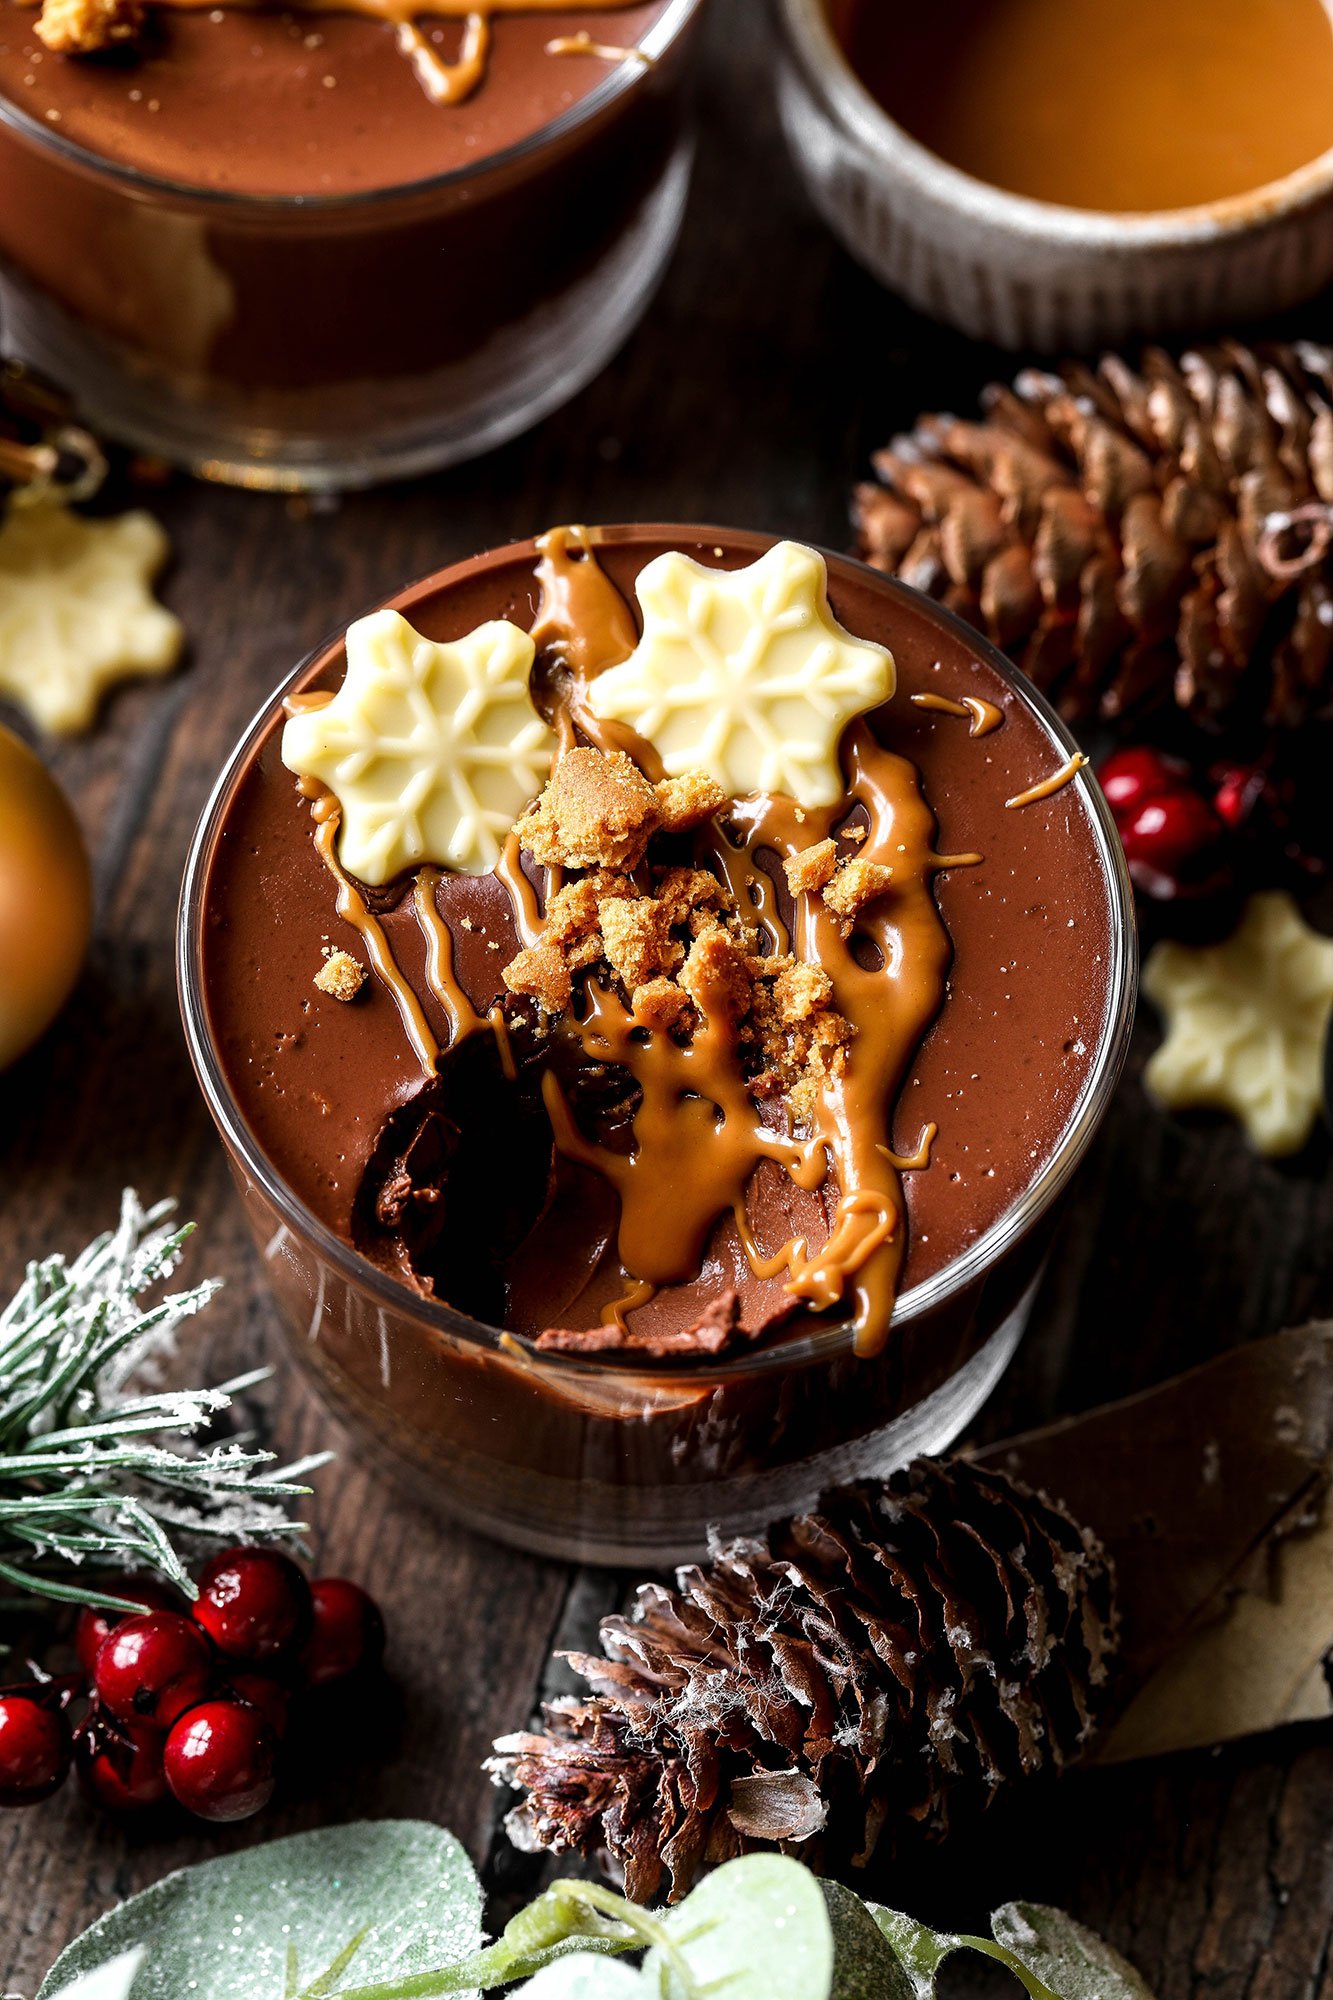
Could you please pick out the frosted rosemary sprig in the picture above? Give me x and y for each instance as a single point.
(85, 1480)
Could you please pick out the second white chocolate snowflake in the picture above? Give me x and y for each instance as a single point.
(431, 750)
(1245, 1023)
(745, 674)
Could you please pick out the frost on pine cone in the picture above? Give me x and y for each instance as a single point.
(913, 1641)
(1133, 537)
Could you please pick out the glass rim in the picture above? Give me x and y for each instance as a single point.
(824, 1342)
(825, 67)
(624, 77)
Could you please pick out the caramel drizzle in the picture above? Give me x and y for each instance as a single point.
(698, 1136)
(1046, 787)
(464, 1019)
(582, 44)
(444, 82)
(984, 715)
(353, 909)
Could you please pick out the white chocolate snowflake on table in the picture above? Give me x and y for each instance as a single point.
(77, 612)
(431, 750)
(745, 674)
(1245, 1023)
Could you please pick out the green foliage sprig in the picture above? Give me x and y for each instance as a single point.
(391, 1910)
(85, 1479)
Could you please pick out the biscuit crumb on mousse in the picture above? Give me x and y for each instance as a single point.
(341, 976)
(856, 883)
(669, 936)
(85, 27)
(811, 868)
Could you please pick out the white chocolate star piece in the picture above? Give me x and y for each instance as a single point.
(432, 751)
(745, 674)
(1245, 1023)
(77, 612)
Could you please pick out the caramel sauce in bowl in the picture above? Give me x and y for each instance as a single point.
(1071, 175)
(613, 1457)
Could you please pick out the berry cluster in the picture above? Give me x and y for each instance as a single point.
(1191, 838)
(192, 1708)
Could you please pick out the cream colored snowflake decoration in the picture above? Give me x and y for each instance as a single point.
(1245, 1023)
(431, 750)
(745, 674)
(77, 612)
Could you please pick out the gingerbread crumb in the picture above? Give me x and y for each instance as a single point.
(597, 811)
(716, 975)
(660, 1004)
(341, 976)
(856, 883)
(671, 938)
(636, 936)
(686, 802)
(86, 27)
(811, 868)
(542, 972)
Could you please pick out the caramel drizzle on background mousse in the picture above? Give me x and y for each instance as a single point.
(698, 1133)
(1045, 788)
(984, 715)
(449, 82)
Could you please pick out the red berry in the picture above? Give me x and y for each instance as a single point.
(1239, 792)
(120, 1763)
(1172, 841)
(270, 1697)
(220, 1760)
(1131, 777)
(93, 1624)
(254, 1604)
(152, 1668)
(347, 1634)
(34, 1749)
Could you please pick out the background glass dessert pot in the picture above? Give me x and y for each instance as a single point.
(623, 1460)
(307, 340)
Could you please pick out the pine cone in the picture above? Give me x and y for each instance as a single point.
(1128, 536)
(912, 1641)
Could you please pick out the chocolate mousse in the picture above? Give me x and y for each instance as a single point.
(653, 944)
(322, 244)
(308, 100)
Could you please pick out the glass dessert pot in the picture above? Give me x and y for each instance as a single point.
(287, 286)
(625, 1456)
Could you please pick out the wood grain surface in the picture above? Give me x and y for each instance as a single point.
(766, 370)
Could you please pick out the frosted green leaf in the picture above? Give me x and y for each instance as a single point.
(586, 1977)
(225, 1929)
(920, 1951)
(865, 1966)
(112, 1981)
(1062, 1957)
(755, 1929)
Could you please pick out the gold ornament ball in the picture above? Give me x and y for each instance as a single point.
(45, 898)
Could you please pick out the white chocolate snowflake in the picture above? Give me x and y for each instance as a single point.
(431, 750)
(1245, 1023)
(745, 674)
(77, 612)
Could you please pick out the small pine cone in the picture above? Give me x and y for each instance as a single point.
(1128, 536)
(913, 1641)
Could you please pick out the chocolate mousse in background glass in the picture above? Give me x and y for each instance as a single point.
(618, 1458)
(254, 244)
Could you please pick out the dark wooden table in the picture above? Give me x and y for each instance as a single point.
(767, 369)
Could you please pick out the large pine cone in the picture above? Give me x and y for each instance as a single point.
(1126, 535)
(941, 1632)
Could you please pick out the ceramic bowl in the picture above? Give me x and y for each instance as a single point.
(1033, 274)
